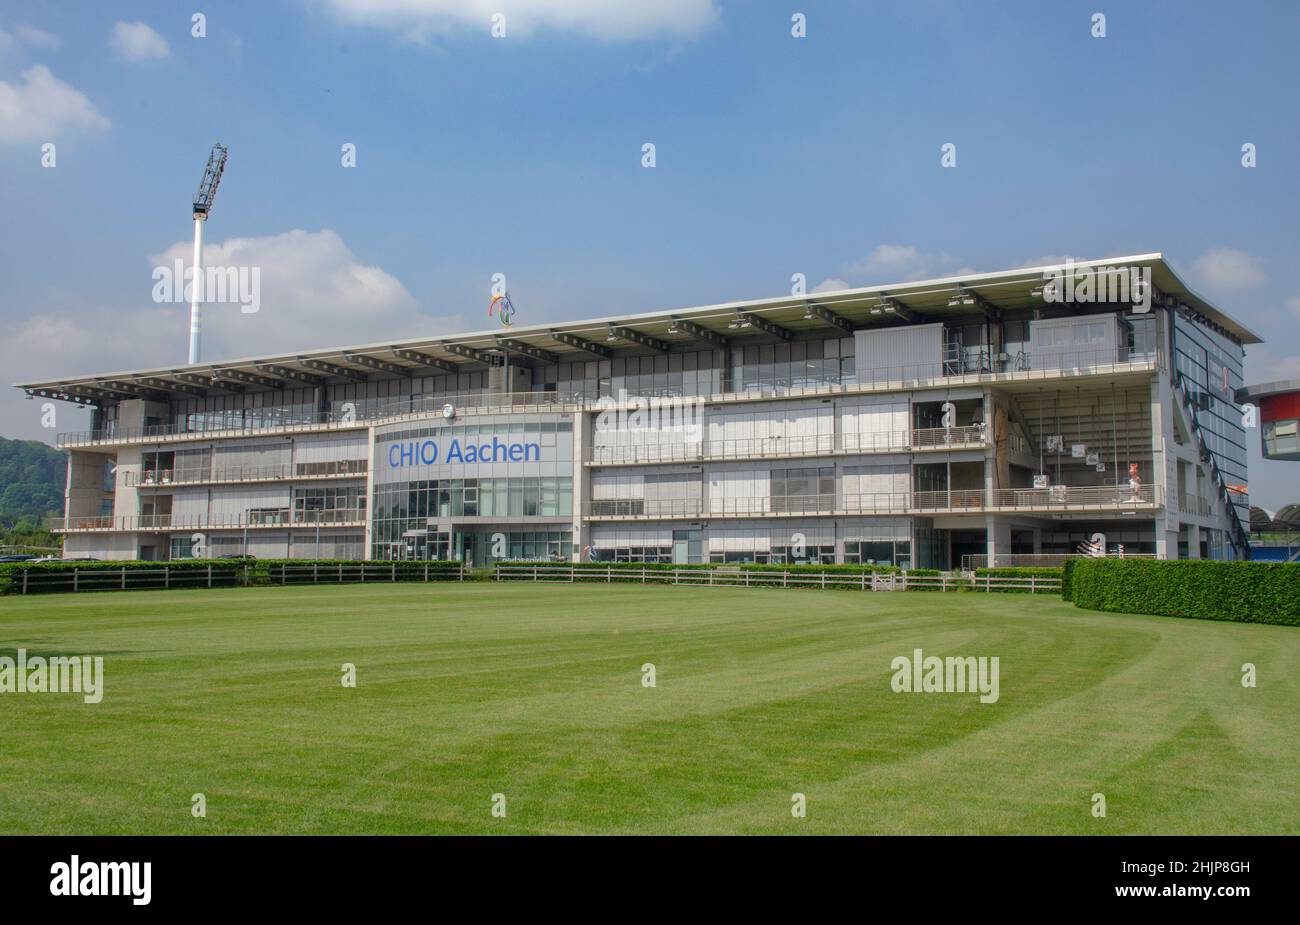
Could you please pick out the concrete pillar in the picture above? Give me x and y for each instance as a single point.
(997, 538)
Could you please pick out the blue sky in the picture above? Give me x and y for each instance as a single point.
(522, 155)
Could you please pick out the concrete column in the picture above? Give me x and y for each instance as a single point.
(997, 538)
(582, 424)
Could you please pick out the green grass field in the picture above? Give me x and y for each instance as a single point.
(534, 691)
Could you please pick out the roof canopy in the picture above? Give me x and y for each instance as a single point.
(789, 318)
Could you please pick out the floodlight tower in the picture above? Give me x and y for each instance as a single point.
(207, 192)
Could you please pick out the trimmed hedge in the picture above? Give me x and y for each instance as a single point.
(1067, 580)
(1021, 571)
(1243, 592)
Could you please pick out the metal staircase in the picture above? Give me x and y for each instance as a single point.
(1207, 456)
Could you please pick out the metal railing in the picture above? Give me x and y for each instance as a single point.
(974, 499)
(770, 578)
(970, 436)
(1058, 364)
(970, 562)
(338, 517)
(1059, 497)
(155, 478)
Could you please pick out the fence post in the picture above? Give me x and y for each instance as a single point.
(124, 578)
(209, 575)
(609, 576)
(534, 573)
(394, 571)
(363, 573)
(340, 573)
(642, 573)
(315, 573)
(823, 581)
(284, 573)
(864, 581)
(426, 571)
(24, 581)
(167, 576)
(76, 585)
(785, 579)
(1031, 584)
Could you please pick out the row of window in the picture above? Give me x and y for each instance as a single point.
(519, 497)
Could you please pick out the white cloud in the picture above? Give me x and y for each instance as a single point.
(1225, 268)
(831, 284)
(1293, 305)
(135, 41)
(901, 263)
(37, 38)
(601, 19)
(314, 293)
(40, 107)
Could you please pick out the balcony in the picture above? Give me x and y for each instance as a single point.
(163, 478)
(161, 523)
(1005, 369)
(258, 421)
(1110, 498)
(902, 441)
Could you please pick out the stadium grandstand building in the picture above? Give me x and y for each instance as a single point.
(999, 418)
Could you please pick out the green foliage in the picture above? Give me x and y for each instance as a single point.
(1244, 592)
(32, 478)
(1067, 580)
(1024, 571)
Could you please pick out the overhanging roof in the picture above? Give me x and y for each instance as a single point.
(728, 322)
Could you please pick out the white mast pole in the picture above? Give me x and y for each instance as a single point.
(196, 287)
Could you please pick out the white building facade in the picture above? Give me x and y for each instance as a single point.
(941, 424)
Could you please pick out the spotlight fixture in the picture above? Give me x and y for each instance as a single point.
(610, 336)
(962, 297)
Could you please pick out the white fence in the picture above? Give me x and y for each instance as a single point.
(216, 575)
(768, 578)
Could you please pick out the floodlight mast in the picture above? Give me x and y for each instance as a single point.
(203, 198)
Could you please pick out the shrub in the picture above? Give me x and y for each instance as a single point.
(1246, 592)
(1067, 579)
